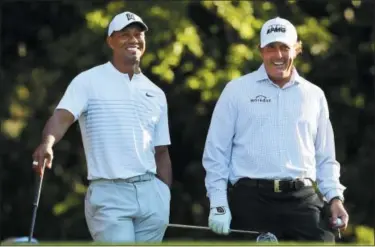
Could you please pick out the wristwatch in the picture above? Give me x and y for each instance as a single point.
(338, 198)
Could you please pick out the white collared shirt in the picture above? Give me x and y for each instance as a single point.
(259, 130)
(121, 121)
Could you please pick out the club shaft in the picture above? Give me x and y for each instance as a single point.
(36, 204)
(207, 228)
(32, 223)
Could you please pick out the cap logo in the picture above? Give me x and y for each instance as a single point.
(130, 17)
(276, 29)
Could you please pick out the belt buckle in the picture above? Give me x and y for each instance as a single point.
(299, 184)
(276, 186)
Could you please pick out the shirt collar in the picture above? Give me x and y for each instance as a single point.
(263, 77)
(116, 71)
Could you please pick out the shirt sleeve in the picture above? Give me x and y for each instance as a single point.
(75, 98)
(328, 169)
(218, 147)
(162, 136)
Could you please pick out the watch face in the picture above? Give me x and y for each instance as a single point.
(220, 210)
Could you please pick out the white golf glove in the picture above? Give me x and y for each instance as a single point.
(219, 220)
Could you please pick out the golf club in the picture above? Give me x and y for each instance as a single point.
(207, 228)
(267, 237)
(36, 203)
(263, 237)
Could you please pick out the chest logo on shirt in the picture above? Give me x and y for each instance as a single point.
(149, 95)
(260, 99)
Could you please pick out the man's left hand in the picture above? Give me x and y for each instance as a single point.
(219, 220)
(338, 211)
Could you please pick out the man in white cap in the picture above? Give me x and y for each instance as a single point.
(123, 118)
(271, 138)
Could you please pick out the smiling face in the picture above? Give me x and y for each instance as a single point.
(128, 44)
(278, 61)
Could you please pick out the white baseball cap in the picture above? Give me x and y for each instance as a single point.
(278, 30)
(124, 19)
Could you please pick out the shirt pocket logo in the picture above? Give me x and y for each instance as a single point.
(260, 99)
(149, 108)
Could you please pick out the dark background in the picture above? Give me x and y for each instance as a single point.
(193, 49)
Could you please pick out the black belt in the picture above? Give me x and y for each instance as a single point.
(275, 185)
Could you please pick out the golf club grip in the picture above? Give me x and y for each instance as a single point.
(207, 228)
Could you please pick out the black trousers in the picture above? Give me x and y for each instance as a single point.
(291, 216)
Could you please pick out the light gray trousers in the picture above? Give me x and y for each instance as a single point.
(126, 211)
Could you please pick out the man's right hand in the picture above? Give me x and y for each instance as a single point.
(54, 130)
(219, 220)
(42, 157)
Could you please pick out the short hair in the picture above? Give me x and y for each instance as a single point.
(298, 47)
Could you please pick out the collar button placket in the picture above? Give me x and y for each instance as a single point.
(280, 125)
(130, 87)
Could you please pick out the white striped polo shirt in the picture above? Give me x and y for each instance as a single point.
(121, 121)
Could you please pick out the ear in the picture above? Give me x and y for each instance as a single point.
(293, 52)
(110, 42)
(297, 49)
